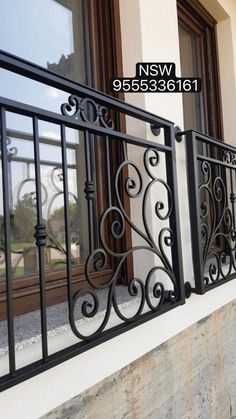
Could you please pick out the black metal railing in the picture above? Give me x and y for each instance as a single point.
(131, 217)
(211, 168)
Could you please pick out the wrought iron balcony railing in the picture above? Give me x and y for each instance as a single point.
(211, 168)
(123, 246)
(89, 223)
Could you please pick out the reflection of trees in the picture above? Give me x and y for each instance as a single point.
(23, 221)
(24, 217)
(1, 236)
(57, 223)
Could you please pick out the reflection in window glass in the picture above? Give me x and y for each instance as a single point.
(50, 34)
(22, 200)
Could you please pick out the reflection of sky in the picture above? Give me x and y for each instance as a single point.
(28, 91)
(37, 30)
(42, 35)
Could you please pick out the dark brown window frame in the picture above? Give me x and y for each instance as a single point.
(193, 15)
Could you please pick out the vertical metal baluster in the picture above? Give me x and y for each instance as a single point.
(174, 216)
(89, 190)
(194, 207)
(6, 209)
(108, 173)
(220, 171)
(66, 216)
(125, 151)
(232, 197)
(40, 235)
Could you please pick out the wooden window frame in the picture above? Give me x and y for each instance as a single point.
(191, 14)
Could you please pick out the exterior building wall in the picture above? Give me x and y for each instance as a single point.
(43, 393)
(189, 376)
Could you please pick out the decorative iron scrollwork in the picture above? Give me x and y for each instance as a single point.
(89, 190)
(40, 235)
(11, 150)
(151, 291)
(88, 110)
(217, 226)
(229, 157)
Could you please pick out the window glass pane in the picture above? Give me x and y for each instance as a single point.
(50, 34)
(191, 65)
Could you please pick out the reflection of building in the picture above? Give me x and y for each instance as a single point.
(65, 66)
(181, 363)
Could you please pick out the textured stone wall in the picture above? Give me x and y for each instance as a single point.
(192, 375)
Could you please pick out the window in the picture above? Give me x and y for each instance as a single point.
(198, 58)
(202, 111)
(78, 40)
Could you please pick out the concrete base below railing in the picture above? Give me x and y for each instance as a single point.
(181, 364)
(192, 375)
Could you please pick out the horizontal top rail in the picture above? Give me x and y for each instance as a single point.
(37, 73)
(216, 161)
(31, 111)
(208, 139)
